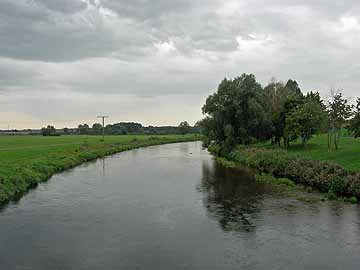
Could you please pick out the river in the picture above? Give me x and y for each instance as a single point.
(172, 207)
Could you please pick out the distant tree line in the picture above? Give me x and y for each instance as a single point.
(122, 128)
(241, 111)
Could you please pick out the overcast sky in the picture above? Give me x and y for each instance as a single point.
(154, 61)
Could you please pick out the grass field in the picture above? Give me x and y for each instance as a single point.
(348, 156)
(28, 160)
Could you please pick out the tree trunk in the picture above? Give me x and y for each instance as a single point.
(336, 140)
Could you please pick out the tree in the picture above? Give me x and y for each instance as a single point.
(97, 129)
(48, 131)
(284, 99)
(184, 127)
(355, 121)
(307, 120)
(84, 129)
(338, 112)
(237, 113)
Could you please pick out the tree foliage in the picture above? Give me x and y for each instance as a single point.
(242, 112)
(339, 110)
(355, 121)
(284, 100)
(48, 131)
(184, 127)
(84, 129)
(307, 120)
(236, 112)
(97, 129)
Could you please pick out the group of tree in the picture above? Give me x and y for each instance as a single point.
(124, 128)
(241, 111)
(48, 131)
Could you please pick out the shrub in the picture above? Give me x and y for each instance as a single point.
(353, 200)
(331, 196)
(269, 179)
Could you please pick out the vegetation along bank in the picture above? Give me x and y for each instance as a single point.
(280, 131)
(26, 161)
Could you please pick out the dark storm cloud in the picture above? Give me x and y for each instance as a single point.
(58, 31)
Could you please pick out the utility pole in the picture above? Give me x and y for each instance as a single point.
(103, 125)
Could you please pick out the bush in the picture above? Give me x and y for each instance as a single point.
(353, 200)
(269, 179)
(331, 196)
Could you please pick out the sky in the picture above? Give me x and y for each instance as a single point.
(63, 62)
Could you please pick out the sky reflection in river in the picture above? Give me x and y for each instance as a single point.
(172, 207)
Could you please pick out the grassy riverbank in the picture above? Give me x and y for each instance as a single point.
(26, 161)
(334, 173)
(348, 155)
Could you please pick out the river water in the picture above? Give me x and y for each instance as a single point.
(172, 207)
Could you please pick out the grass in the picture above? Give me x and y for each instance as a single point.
(26, 161)
(348, 156)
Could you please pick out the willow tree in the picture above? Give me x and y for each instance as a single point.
(237, 113)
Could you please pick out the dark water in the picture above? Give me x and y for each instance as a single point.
(171, 207)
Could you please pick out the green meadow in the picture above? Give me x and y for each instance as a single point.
(347, 156)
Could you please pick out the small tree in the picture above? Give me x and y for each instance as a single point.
(307, 120)
(184, 127)
(355, 121)
(338, 112)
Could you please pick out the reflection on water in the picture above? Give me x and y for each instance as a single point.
(172, 207)
(231, 195)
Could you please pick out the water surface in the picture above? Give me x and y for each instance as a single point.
(172, 207)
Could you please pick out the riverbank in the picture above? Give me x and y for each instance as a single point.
(347, 156)
(325, 176)
(26, 161)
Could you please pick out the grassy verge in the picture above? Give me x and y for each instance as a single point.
(348, 155)
(326, 176)
(26, 161)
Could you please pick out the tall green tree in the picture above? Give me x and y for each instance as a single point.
(339, 110)
(355, 121)
(237, 113)
(307, 120)
(284, 99)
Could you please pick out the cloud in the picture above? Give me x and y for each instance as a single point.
(157, 53)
